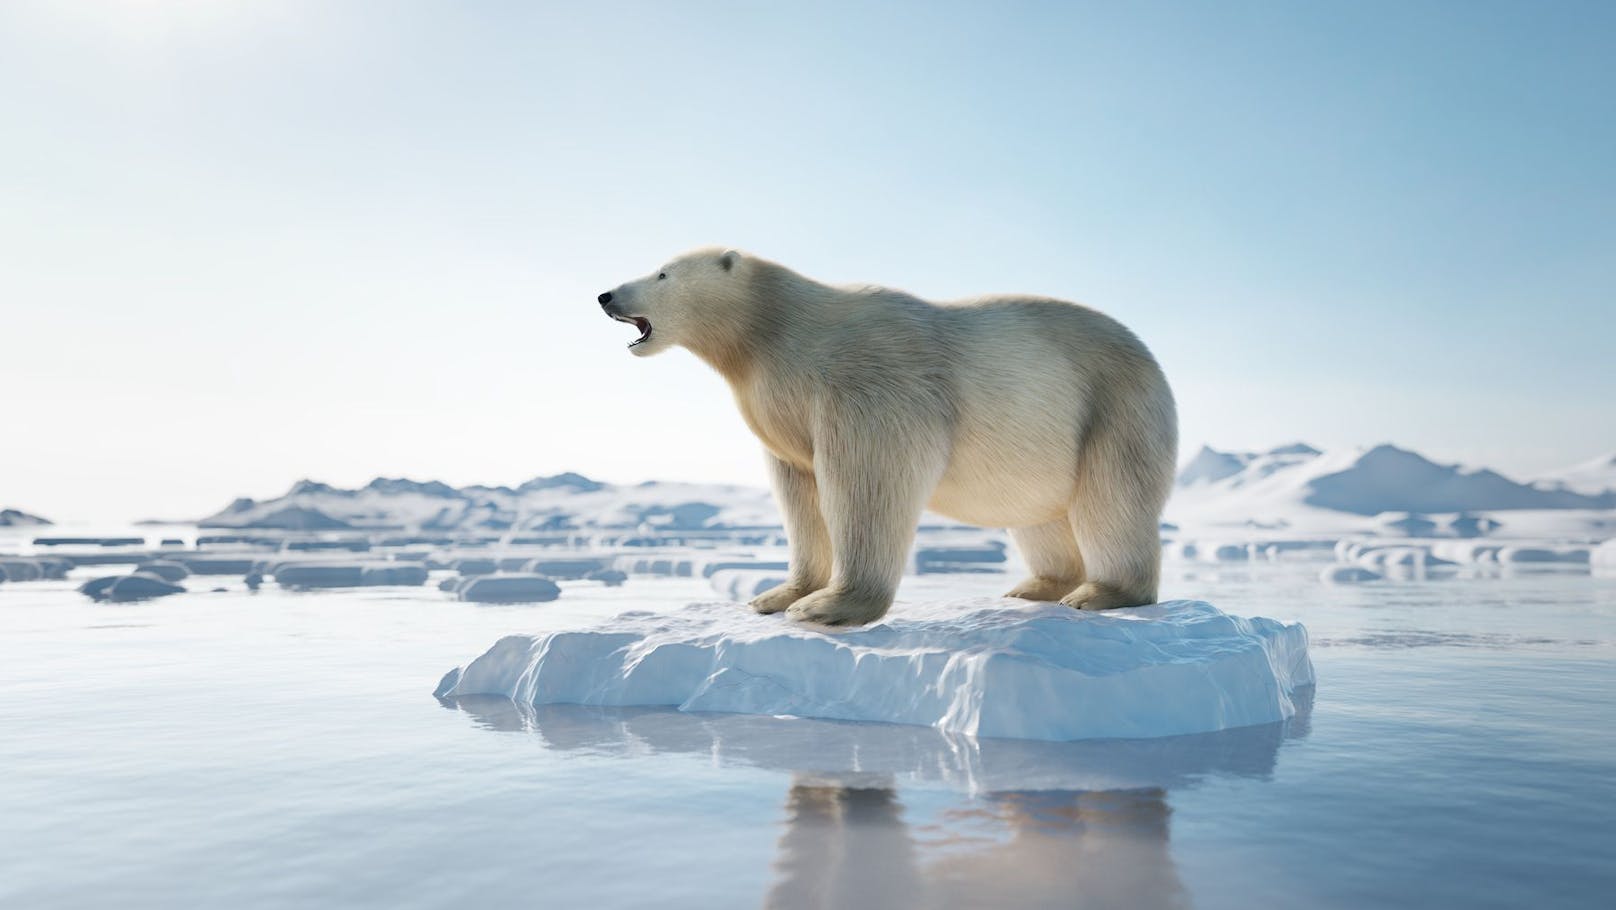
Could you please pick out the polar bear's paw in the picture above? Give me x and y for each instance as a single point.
(832, 607)
(779, 597)
(1040, 587)
(1100, 596)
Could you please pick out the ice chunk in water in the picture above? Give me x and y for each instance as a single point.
(985, 667)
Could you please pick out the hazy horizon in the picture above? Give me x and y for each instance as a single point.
(360, 480)
(250, 243)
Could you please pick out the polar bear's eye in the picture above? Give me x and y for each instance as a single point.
(661, 275)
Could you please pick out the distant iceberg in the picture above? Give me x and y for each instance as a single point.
(17, 518)
(984, 667)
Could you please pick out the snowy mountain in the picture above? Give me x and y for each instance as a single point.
(1299, 487)
(16, 518)
(558, 503)
(1210, 466)
(1295, 487)
(1590, 478)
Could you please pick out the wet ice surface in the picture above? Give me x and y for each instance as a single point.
(280, 749)
(989, 667)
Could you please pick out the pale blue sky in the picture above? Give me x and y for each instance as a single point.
(242, 243)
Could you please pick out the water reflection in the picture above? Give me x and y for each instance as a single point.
(851, 847)
(1036, 824)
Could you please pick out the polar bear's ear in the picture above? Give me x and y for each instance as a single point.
(728, 259)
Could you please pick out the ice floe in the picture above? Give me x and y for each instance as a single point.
(506, 589)
(984, 667)
(128, 588)
(171, 572)
(346, 574)
(33, 569)
(1603, 558)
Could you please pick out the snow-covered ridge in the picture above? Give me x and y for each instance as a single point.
(1295, 488)
(1590, 478)
(558, 503)
(992, 668)
(1210, 466)
(1299, 487)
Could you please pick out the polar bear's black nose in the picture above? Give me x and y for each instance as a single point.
(605, 298)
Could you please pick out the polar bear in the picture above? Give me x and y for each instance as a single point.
(1036, 415)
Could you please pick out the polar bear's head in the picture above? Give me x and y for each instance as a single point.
(681, 302)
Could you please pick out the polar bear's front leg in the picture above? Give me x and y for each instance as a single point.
(872, 491)
(809, 568)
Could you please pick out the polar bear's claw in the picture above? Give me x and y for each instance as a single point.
(1100, 596)
(839, 608)
(1039, 587)
(778, 598)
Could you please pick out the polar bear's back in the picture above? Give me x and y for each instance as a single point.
(1072, 330)
(1034, 377)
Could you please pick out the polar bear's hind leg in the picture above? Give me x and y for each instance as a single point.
(1051, 553)
(1121, 550)
(1125, 473)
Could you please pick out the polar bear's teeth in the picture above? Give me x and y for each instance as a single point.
(639, 322)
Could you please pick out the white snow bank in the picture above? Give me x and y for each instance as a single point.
(984, 667)
(1522, 555)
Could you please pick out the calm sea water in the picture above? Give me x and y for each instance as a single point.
(277, 749)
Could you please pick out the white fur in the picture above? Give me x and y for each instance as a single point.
(1037, 415)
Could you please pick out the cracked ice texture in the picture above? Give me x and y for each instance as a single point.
(985, 667)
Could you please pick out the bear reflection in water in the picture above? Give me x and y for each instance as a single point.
(1037, 824)
(850, 847)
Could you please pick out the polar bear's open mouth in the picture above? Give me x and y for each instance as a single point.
(639, 322)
